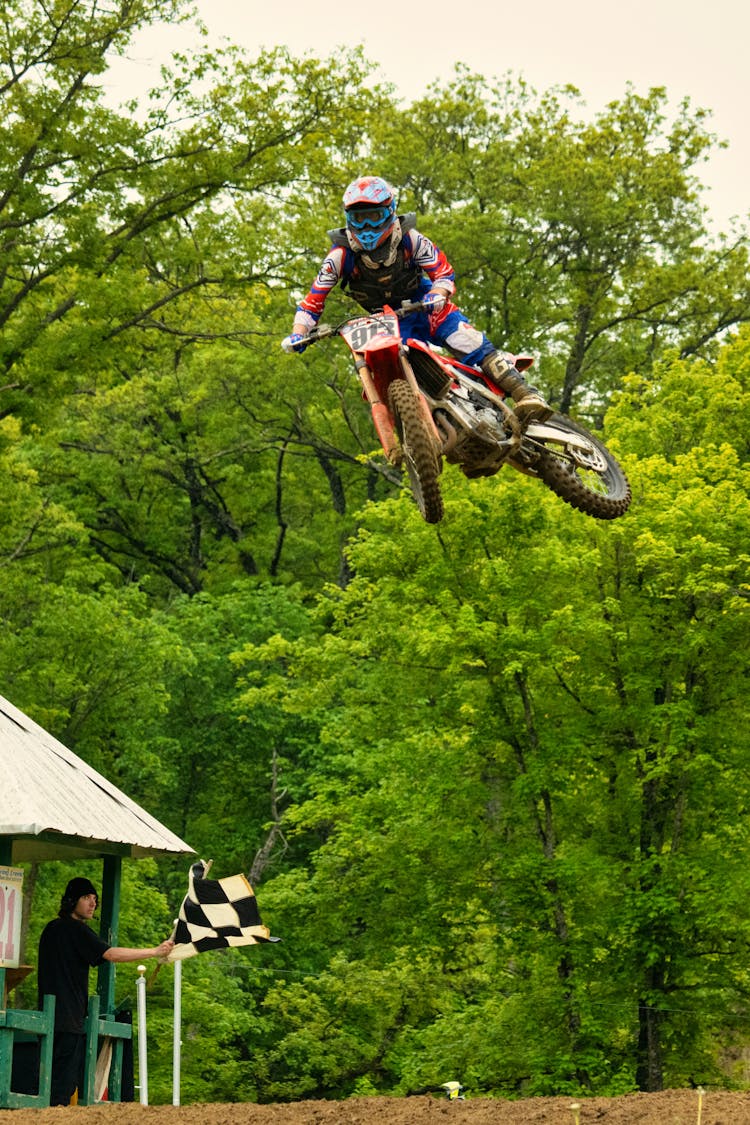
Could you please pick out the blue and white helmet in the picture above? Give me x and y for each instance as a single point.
(370, 210)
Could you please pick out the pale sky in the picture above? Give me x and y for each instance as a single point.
(695, 48)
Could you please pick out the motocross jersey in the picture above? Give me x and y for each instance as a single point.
(417, 266)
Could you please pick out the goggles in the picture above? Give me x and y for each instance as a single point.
(361, 217)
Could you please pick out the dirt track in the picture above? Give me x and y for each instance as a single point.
(671, 1107)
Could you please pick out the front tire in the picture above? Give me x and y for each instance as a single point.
(421, 458)
(590, 480)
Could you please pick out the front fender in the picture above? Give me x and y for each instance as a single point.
(383, 358)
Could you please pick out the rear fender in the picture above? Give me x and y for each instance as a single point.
(560, 435)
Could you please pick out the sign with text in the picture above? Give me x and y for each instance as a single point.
(11, 902)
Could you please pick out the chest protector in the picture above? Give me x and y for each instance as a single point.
(373, 286)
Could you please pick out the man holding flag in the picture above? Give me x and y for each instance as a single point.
(67, 950)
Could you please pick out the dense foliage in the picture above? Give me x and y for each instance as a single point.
(489, 779)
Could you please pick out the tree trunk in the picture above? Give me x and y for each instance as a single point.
(649, 1076)
(575, 359)
(275, 835)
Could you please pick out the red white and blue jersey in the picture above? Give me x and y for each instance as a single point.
(419, 258)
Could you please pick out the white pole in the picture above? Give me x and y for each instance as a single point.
(177, 1031)
(140, 986)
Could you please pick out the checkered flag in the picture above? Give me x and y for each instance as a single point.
(216, 914)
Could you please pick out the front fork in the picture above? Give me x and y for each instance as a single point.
(381, 415)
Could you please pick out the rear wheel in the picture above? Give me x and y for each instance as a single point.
(587, 477)
(421, 457)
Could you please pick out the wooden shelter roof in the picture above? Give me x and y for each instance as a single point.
(55, 806)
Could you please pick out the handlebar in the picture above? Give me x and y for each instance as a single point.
(324, 331)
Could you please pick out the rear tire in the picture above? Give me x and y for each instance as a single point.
(593, 484)
(421, 458)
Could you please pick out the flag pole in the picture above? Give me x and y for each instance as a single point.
(177, 1031)
(140, 986)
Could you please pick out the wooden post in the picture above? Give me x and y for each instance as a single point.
(46, 1046)
(6, 860)
(6, 1060)
(108, 930)
(86, 1095)
(6, 1036)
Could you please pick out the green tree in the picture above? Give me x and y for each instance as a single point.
(490, 782)
(143, 280)
(582, 240)
(111, 219)
(528, 765)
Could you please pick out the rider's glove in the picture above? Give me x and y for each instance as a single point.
(294, 343)
(434, 301)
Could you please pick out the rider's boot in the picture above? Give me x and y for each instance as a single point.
(527, 401)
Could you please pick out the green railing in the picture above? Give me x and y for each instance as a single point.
(98, 1030)
(18, 1026)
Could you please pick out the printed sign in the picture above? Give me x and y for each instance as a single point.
(11, 902)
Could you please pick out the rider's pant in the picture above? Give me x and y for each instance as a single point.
(450, 329)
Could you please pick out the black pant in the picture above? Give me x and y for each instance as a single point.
(68, 1054)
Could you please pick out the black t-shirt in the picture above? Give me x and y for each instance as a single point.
(67, 950)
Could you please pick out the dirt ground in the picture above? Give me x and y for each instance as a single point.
(671, 1107)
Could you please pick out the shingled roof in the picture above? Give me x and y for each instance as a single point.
(55, 806)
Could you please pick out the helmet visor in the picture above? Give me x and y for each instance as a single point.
(359, 218)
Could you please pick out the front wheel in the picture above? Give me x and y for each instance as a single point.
(580, 469)
(421, 457)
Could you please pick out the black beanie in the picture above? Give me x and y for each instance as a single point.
(76, 889)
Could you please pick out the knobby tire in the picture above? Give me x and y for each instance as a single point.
(421, 457)
(605, 495)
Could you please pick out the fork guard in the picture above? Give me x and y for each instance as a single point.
(384, 428)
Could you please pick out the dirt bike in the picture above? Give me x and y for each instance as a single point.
(427, 406)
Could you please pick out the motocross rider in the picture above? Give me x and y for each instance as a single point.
(380, 258)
